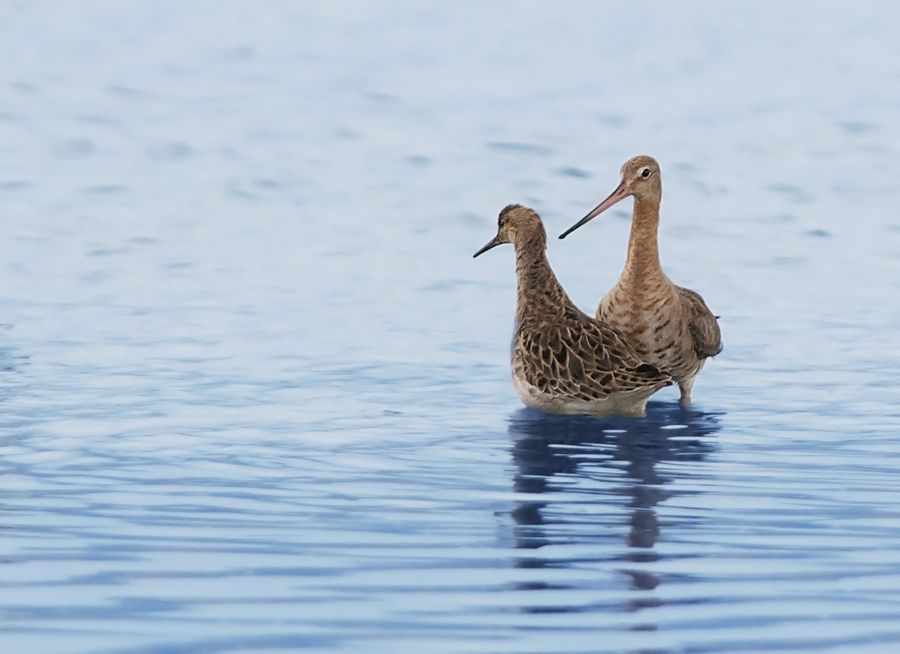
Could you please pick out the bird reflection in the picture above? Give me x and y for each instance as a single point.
(582, 465)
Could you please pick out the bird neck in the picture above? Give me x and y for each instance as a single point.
(539, 293)
(643, 250)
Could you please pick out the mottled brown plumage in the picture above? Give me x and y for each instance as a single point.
(564, 361)
(669, 326)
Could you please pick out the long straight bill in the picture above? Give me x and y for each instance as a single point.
(616, 196)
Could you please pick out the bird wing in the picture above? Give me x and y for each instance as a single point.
(582, 357)
(703, 325)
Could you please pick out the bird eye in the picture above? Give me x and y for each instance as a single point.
(645, 172)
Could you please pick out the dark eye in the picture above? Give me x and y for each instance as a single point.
(645, 172)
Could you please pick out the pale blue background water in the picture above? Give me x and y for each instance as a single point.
(253, 388)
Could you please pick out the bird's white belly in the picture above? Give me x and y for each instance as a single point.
(631, 403)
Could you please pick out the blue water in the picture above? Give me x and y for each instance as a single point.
(254, 391)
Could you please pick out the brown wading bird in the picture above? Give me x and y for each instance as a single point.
(564, 361)
(669, 326)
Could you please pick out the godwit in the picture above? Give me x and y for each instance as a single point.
(669, 326)
(564, 361)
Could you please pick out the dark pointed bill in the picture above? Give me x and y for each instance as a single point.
(494, 242)
(616, 196)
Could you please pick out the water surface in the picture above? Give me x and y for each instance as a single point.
(254, 391)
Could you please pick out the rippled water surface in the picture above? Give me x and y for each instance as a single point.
(254, 391)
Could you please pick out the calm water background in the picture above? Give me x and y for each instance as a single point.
(254, 390)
